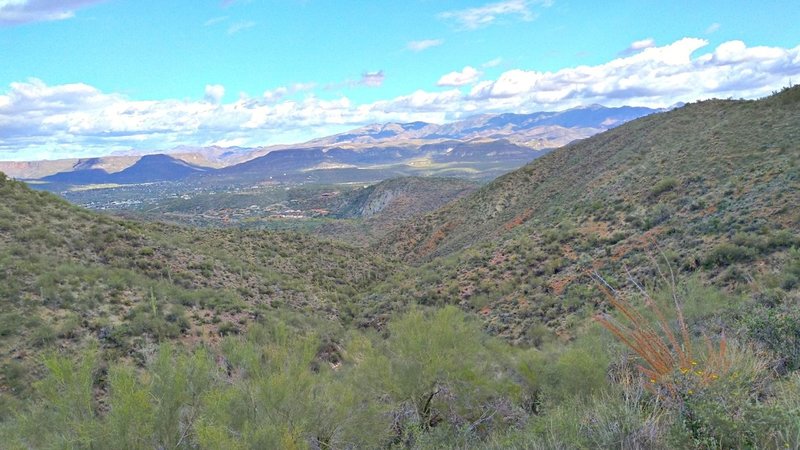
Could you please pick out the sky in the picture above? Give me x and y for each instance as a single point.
(92, 77)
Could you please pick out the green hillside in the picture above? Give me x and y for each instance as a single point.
(68, 275)
(713, 185)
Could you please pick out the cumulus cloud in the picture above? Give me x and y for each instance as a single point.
(367, 79)
(656, 76)
(214, 93)
(14, 12)
(277, 94)
(482, 16)
(637, 46)
(39, 120)
(372, 79)
(418, 46)
(468, 75)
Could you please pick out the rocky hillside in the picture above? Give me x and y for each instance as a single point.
(713, 186)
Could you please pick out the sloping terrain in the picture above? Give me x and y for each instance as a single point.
(403, 198)
(30, 170)
(67, 274)
(366, 215)
(131, 328)
(713, 185)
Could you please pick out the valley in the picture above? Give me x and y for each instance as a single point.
(419, 225)
(423, 295)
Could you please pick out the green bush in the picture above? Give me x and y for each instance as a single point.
(728, 253)
(778, 328)
(664, 185)
(439, 365)
(737, 410)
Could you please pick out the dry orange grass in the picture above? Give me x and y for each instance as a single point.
(666, 354)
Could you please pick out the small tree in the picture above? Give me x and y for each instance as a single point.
(436, 364)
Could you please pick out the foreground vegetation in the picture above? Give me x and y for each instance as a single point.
(434, 380)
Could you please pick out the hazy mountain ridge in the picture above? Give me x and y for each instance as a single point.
(541, 130)
(538, 130)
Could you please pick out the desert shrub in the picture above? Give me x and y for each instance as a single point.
(778, 329)
(440, 367)
(657, 215)
(664, 185)
(65, 414)
(131, 416)
(737, 410)
(43, 334)
(9, 323)
(728, 253)
(227, 328)
(700, 302)
(579, 371)
(70, 326)
(15, 376)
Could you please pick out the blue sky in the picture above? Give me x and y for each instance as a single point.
(89, 77)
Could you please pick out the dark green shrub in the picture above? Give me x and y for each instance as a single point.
(778, 328)
(666, 184)
(728, 253)
(227, 328)
(43, 335)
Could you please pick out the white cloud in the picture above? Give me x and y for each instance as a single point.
(277, 94)
(240, 26)
(418, 46)
(493, 63)
(38, 120)
(638, 46)
(14, 12)
(656, 76)
(367, 79)
(214, 93)
(372, 79)
(482, 16)
(713, 28)
(468, 75)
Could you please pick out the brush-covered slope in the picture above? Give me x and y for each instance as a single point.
(66, 273)
(692, 153)
(715, 185)
(368, 214)
(405, 197)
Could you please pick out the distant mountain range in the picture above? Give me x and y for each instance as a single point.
(509, 140)
(148, 169)
(369, 163)
(537, 130)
